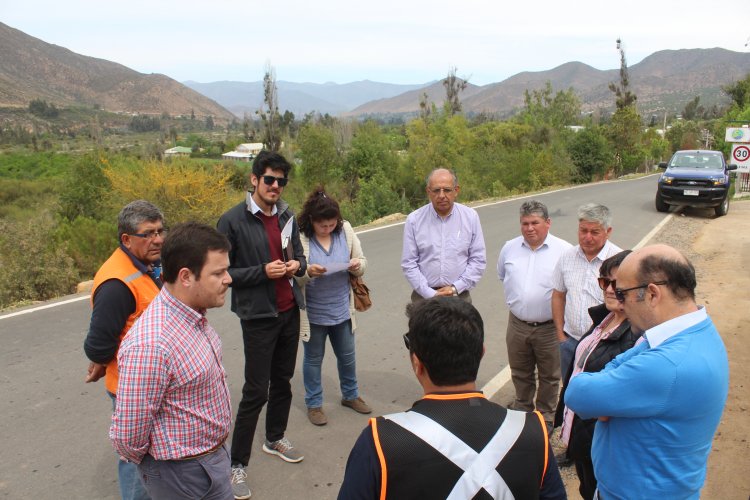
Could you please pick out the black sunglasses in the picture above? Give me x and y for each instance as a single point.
(270, 179)
(605, 282)
(407, 343)
(620, 292)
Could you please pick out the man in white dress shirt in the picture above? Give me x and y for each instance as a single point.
(575, 280)
(525, 267)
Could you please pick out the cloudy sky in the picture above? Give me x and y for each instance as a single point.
(406, 41)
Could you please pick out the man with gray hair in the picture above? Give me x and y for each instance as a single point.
(525, 267)
(575, 279)
(123, 288)
(443, 252)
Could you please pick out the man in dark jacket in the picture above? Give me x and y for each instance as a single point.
(263, 259)
(453, 443)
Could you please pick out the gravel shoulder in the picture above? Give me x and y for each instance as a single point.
(719, 249)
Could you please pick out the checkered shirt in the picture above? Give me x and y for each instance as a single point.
(172, 398)
(577, 277)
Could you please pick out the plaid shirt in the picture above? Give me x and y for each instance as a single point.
(172, 398)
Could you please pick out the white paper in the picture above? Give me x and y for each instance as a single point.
(336, 267)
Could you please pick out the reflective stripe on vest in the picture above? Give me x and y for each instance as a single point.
(480, 469)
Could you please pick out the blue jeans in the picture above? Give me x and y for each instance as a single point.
(342, 341)
(131, 487)
(567, 353)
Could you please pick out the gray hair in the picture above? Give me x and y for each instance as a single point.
(136, 213)
(594, 212)
(534, 207)
(455, 177)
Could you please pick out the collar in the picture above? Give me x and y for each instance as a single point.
(193, 316)
(454, 395)
(525, 243)
(434, 212)
(253, 207)
(664, 331)
(602, 255)
(153, 270)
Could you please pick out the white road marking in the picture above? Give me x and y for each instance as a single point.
(46, 306)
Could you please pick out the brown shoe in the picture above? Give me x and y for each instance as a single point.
(357, 405)
(316, 416)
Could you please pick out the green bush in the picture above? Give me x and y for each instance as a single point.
(32, 266)
(89, 242)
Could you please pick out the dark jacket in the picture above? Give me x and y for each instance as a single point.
(619, 341)
(253, 293)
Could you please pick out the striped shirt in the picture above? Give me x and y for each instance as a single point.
(577, 278)
(172, 397)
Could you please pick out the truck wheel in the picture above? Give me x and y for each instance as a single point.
(723, 208)
(660, 205)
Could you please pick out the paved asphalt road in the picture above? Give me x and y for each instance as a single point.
(53, 427)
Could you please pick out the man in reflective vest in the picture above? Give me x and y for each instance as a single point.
(123, 288)
(453, 443)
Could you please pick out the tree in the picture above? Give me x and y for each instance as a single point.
(693, 109)
(591, 154)
(624, 97)
(209, 122)
(269, 112)
(320, 158)
(739, 92)
(453, 87)
(542, 108)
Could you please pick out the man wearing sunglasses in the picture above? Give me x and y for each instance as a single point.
(659, 403)
(123, 288)
(453, 443)
(443, 250)
(267, 302)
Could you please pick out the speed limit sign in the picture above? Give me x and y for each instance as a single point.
(741, 157)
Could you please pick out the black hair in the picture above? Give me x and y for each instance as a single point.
(679, 274)
(612, 263)
(318, 206)
(187, 245)
(268, 159)
(447, 335)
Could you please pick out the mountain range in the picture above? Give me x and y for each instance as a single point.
(30, 69)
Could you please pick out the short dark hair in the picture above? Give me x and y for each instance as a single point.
(269, 159)
(319, 206)
(679, 274)
(613, 262)
(136, 213)
(534, 207)
(187, 245)
(447, 335)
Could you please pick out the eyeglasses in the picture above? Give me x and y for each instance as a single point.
(437, 191)
(620, 292)
(605, 282)
(407, 343)
(150, 235)
(270, 179)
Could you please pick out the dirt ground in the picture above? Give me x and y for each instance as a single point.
(719, 248)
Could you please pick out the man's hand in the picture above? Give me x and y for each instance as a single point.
(561, 337)
(95, 372)
(291, 267)
(276, 269)
(446, 291)
(315, 270)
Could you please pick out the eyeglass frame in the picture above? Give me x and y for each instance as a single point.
(439, 191)
(282, 181)
(620, 292)
(607, 282)
(407, 342)
(150, 235)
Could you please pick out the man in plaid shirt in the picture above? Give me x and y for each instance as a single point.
(173, 413)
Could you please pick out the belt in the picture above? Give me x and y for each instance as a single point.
(533, 323)
(207, 452)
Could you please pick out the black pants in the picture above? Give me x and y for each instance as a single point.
(585, 471)
(270, 357)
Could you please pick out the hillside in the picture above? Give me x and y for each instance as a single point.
(299, 98)
(33, 69)
(666, 79)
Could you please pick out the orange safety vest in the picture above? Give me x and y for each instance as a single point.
(120, 267)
